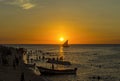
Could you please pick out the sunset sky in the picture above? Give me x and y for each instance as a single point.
(46, 21)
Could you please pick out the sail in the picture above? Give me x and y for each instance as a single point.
(66, 44)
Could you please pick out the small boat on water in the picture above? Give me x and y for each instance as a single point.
(65, 44)
(47, 71)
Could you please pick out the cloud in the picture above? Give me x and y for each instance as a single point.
(25, 4)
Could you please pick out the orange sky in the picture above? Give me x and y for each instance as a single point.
(44, 22)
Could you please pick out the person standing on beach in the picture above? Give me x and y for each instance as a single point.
(53, 66)
(17, 61)
(22, 77)
(14, 65)
(0, 60)
(34, 65)
(43, 57)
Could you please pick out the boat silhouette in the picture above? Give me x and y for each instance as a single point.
(47, 71)
(65, 44)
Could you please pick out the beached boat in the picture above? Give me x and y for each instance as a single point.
(47, 71)
(65, 44)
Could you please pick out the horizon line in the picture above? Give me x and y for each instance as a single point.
(60, 44)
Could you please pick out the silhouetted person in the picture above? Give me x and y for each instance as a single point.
(34, 65)
(22, 77)
(52, 66)
(17, 61)
(53, 58)
(43, 58)
(31, 60)
(39, 57)
(14, 64)
(0, 60)
(98, 78)
(57, 59)
(61, 58)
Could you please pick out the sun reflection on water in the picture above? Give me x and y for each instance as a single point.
(61, 54)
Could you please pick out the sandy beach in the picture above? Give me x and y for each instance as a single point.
(11, 71)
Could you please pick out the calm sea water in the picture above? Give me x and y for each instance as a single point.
(94, 62)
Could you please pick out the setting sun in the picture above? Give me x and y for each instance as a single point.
(61, 39)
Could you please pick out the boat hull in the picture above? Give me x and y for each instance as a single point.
(46, 71)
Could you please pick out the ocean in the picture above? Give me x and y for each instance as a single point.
(95, 62)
